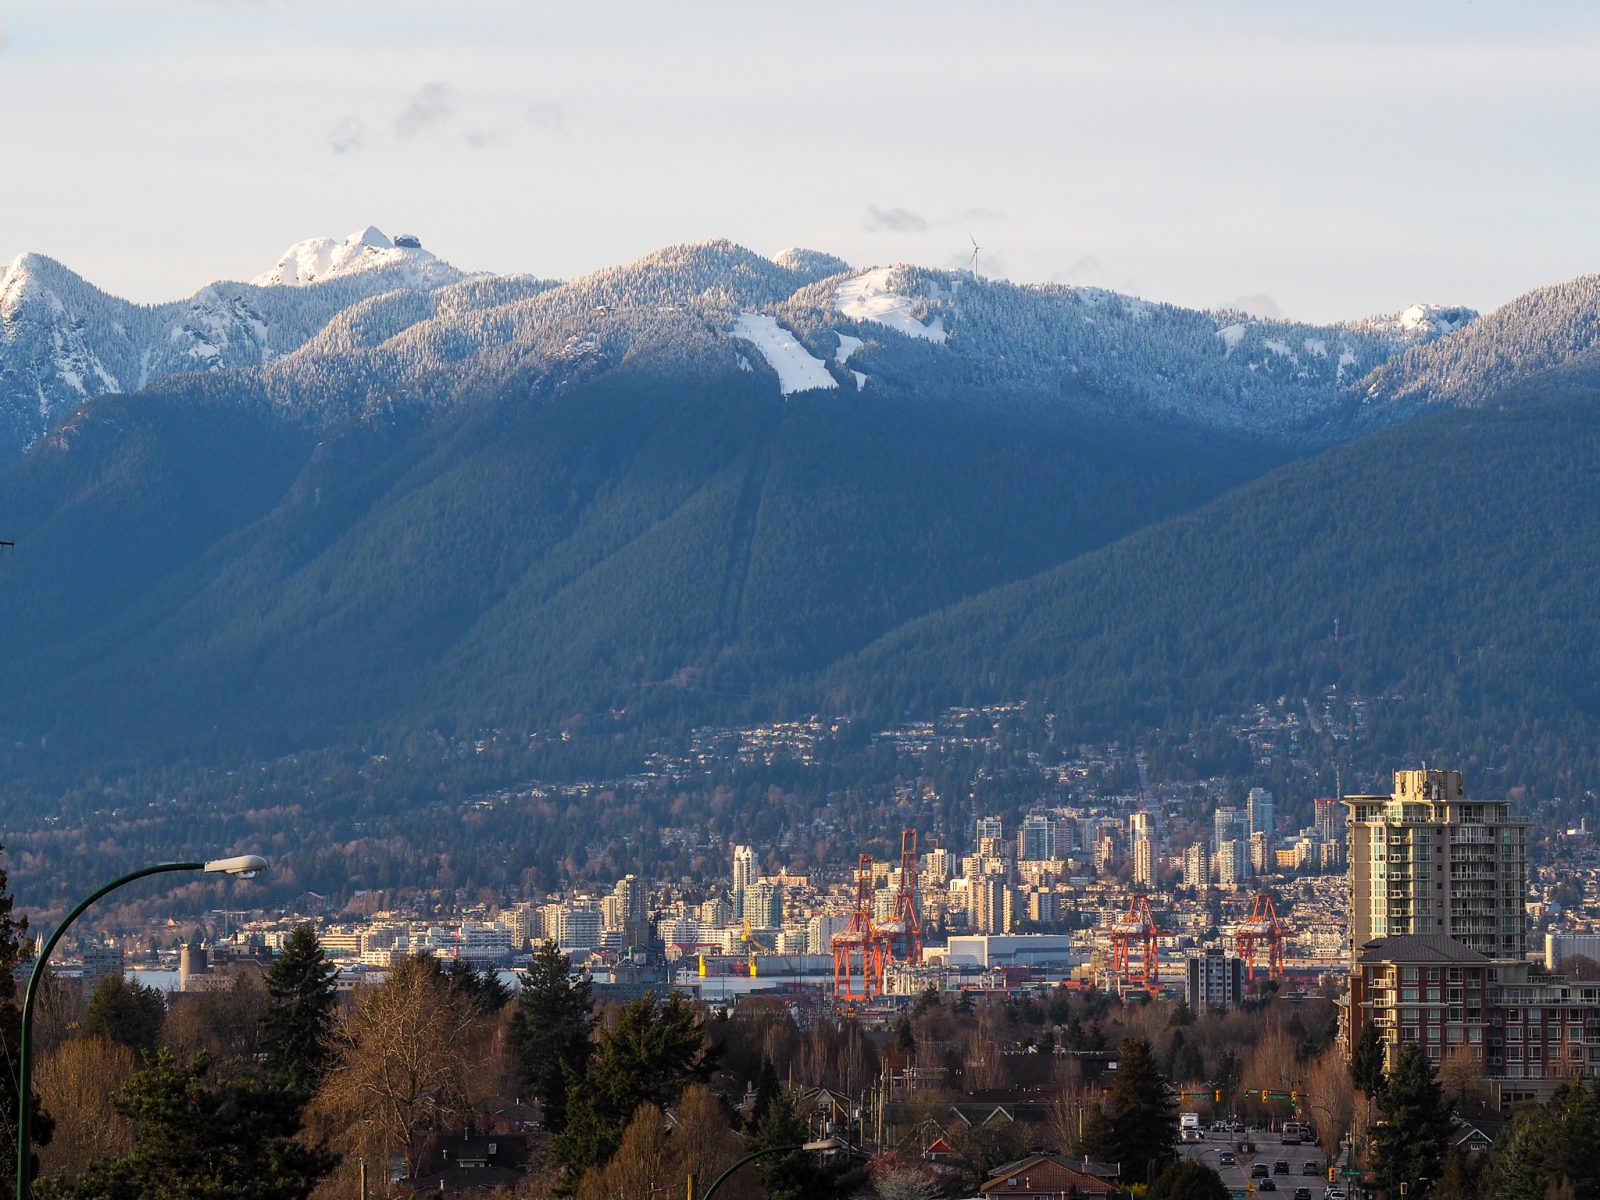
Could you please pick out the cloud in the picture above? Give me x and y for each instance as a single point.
(430, 105)
(895, 220)
(349, 134)
(484, 139)
(551, 118)
(1257, 305)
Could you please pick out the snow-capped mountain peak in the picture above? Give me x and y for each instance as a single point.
(1427, 320)
(317, 259)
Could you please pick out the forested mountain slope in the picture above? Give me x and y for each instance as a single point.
(198, 575)
(1449, 564)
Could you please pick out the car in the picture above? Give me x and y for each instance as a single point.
(1334, 1193)
(1258, 1170)
(1281, 1167)
(1302, 1193)
(1226, 1158)
(1309, 1167)
(1266, 1185)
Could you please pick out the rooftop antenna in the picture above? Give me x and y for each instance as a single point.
(973, 266)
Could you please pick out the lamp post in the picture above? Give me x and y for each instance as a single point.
(246, 866)
(825, 1144)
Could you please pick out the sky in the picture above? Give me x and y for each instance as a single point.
(1314, 161)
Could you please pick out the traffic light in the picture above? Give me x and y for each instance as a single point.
(1294, 1095)
(1219, 1095)
(1330, 1174)
(1263, 1095)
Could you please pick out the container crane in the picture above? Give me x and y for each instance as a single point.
(1136, 933)
(1261, 926)
(859, 949)
(903, 928)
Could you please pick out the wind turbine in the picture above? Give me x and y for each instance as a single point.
(972, 267)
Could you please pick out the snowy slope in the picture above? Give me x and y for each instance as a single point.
(872, 296)
(369, 249)
(798, 369)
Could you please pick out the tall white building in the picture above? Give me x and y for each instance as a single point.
(937, 864)
(1261, 812)
(1196, 867)
(744, 874)
(1144, 862)
(1425, 860)
(1229, 825)
(1144, 824)
(579, 926)
(1233, 863)
(1036, 840)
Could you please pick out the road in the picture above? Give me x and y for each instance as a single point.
(1268, 1150)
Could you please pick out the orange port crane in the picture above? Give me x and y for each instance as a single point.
(1136, 931)
(1261, 926)
(859, 949)
(902, 930)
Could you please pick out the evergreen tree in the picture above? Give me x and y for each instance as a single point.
(799, 1175)
(481, 985)
(301, 1002)
(1366, 1062)
(194, 1142)
(905, 1040)
(128, 1013)
(550, 1031)
(16, 949)
(655, 1050)
(1141, 1129)
(1186, 1179)
(766, 1092)
(1409, 1141)
(1549, 1147)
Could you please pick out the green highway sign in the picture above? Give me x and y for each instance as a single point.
(1348, 1173)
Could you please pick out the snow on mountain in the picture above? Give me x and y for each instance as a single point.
(369, 249)
(338, 326)
(798, 369)
(811, 262)
(62, 340)
(1424, 320)
(1539, 330)
(873, 296)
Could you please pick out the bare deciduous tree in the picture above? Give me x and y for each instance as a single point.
(77, 1081)
(412, 1051)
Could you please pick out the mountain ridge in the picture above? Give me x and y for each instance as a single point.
(63, 340)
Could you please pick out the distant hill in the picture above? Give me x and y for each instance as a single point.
(1457, 556)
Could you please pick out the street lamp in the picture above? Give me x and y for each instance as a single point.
(825, 1144)
(245, 866)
